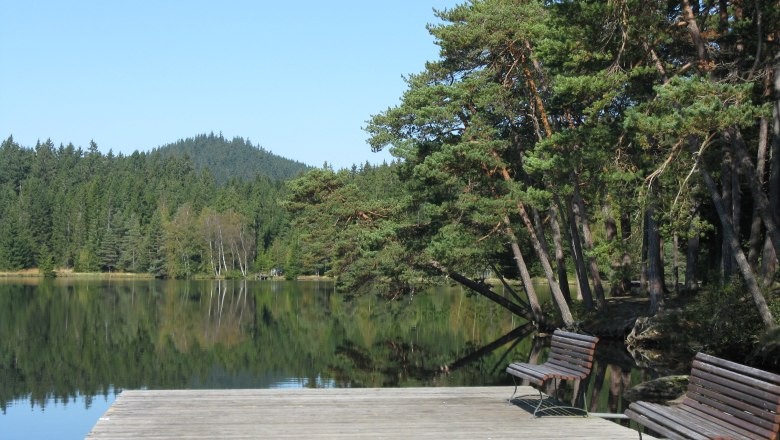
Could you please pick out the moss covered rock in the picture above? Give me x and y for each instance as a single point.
(665, 390)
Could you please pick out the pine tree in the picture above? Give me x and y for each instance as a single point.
(16, 250)
(46, 263)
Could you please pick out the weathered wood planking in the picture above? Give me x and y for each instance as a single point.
(389, 413)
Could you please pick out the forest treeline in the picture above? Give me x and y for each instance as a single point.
(163, 213)
(602, 143)
(64, 207)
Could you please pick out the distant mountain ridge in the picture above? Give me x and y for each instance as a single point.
(233, 158)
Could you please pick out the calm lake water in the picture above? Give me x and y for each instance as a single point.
(67, 347)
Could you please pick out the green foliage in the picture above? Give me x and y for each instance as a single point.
(86, 261)
(528, 102)
(237, 158)
(766, 353)
(725, 319)
(137, 213)
(46, 263)
(346, 227)
(16, 250)
(692, 106)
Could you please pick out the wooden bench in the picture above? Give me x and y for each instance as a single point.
(724, 400)
(571, 358)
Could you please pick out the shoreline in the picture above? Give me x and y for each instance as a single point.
(69, 273)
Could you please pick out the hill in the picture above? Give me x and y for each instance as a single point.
(233, 158)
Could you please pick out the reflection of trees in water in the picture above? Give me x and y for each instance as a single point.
(403, 362)
(62, 339)
(203, 314)
(232, 312)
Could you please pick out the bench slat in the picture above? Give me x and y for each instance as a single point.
(573, 349)
(757, 398)
(563, 370)
(739, 432)
(737, 377)
(710, 426)
(581, 337)
(755, 391)
(652, 424)
(742, 415)
(584, 368)
(743, 369)
(707, 426)
(573, 363)
(723, 396)
(580, 372)
(671, 428)
(536, 370)
(578, 358)
(521, 370)
(574, 344)
(546, 371)
(758, 427)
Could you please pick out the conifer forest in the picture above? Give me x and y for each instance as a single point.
(604, 147)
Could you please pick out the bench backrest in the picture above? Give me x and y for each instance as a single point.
(745, 398)
(573, 351)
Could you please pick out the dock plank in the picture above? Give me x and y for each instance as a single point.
(388, 413)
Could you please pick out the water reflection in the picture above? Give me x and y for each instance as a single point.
(63, 338)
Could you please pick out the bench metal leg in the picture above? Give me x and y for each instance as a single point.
(541, 401)
(514, 393)
(539, 408)
(514, 380)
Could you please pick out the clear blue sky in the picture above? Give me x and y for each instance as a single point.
(297, 78)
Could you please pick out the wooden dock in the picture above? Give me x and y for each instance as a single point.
(387, 413)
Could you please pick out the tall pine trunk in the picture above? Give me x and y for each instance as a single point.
(770, 257)
(676, 262)
(692, 250)
(643, 266)
(587, 237)
(579, 257)
(525, 276)
(726, 266)
(610, 227)
(759, 198)
(625, 236)
(560, 258)
(655, 279)
(544, 258)
(560, 301)
(736, 198)
(739, 256)
(755, 225)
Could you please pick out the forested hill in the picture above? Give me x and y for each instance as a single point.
(233, 158)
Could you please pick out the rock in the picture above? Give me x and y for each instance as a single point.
(646, 331)
(665, 390)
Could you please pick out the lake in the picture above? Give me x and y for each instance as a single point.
(68, 347)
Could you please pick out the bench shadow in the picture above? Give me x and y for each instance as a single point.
(550, 407)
